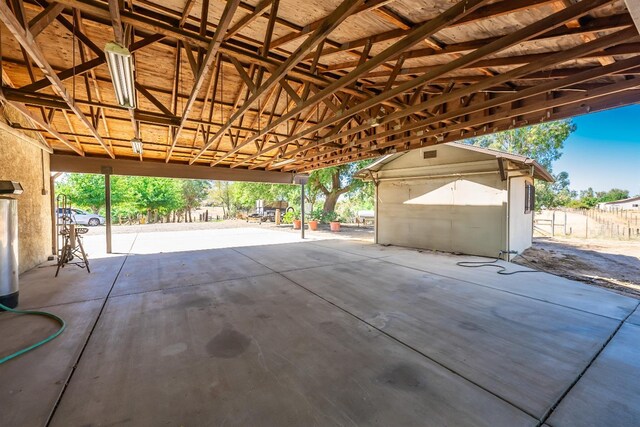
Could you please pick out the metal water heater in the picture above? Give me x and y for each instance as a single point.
(9, 244)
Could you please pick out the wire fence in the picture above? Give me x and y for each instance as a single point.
(588, 223)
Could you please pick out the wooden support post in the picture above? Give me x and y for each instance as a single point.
(54, 214)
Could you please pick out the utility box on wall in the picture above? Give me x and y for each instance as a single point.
(9, 252)
(9, 264)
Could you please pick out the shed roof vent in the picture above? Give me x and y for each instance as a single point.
(431, 154)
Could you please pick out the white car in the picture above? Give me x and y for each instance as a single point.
(80, 217)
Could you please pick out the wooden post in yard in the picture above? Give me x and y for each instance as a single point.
(586, 228)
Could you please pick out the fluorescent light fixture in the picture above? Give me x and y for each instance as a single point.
(136, 145)
(374, 122)
(284, 162)
(120, 64)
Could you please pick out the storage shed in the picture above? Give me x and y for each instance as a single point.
(630, 204)
(456, 198)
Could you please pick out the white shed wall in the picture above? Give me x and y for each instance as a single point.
(630, 205)
(520, 224)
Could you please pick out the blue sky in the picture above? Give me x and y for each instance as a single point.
(604, 152)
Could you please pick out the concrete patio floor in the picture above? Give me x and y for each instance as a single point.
(254, 327)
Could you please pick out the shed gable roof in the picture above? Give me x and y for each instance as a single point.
(539, 172)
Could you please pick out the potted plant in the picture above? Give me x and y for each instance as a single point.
(292, 216)
(333, 220)
(314, 218)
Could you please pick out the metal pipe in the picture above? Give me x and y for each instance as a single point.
(302, 210)
(107, 202)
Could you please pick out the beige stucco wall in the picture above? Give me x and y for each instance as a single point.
(26, 163)
(520, 223)
(436, 214)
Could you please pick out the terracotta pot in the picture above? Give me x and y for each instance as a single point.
(297, 224)
(335, 225)
(313, 225)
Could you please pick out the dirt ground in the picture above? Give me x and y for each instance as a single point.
(613, 264)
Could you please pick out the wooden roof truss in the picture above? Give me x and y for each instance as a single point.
(285, 85)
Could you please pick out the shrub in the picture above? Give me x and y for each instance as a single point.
(289, 216)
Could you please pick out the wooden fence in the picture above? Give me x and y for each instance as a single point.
(588, 224)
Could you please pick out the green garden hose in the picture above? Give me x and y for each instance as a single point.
(62, 323)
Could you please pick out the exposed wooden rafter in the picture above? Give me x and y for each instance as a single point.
(240, 85)
(205, 67)
(26, 40)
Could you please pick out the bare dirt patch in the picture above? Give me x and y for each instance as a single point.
(612, 264)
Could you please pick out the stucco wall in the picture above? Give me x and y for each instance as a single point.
(23, 162)
(448, 214)
(520, 224)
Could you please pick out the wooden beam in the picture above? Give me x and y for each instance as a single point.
(192, 60)
(550, 60)
(53, 101)
(100, 10)
(324, 29)
(63, 163)
(27, 41)
(608, 96)
(593, 26)
(155, 101)
(116, 22)
(491, 10)
(371, 4)
(243, 75)
(185, 12)
(44, 18)
(248, 19)
(19, 135)
(212, 53)
(88, 65)
(452, 14)
(42, 123)
(539, 27)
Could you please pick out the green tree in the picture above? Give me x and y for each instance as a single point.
(222, 193)
(542, 142)
(612, 195)
(194, 191)
(87, 190)
(554, 194)
(335, 181)
(159, 196)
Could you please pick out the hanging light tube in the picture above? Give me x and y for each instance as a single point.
(284, 162)
(136, 145)
(120, 62)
